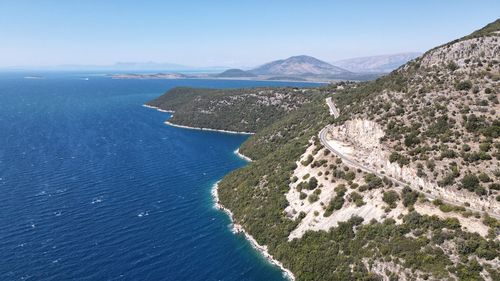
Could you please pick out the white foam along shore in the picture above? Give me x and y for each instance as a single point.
(246, 158)
(157, 108)
(195, 128)
(207, 129)
(237, 228)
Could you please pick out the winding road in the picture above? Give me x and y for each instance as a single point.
(399, 184)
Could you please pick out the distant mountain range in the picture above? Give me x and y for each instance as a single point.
(298, 68)
(122, 66)
(376, 64)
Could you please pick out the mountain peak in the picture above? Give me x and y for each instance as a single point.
(301, 65)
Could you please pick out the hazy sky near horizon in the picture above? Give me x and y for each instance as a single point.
(227, 33)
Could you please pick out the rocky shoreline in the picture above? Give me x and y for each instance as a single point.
(157, 108)
(197, 128)
(244, 157)
(237, 228)
(207, 129)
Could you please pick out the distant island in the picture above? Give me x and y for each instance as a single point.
(149, 76)
(235, 73)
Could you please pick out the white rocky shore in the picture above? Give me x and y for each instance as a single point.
(237, 228)
(244, 157)
(207, 129)
(157, 108)
(194, 128)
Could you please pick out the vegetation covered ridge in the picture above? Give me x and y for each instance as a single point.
(241, 110)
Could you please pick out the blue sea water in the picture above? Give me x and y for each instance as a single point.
(93, 186)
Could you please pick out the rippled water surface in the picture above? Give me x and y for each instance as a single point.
(93, 186)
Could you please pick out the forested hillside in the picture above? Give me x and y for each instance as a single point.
(243, 110)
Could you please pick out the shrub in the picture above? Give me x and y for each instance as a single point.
(313, 198)
(409, 196)
(470, 182)
(349, 176)
(485, 146)
(356, 198)
(308, 160)
(400, 159)
(302, 196)
(495, 186)
(336, 203)
(447, 180)
(484, 177)
(452, 66)
(372, 181)
(391, 197)
(312, 184)
(411, 140)
(463, 85)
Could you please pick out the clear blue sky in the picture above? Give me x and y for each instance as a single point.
(233, 33)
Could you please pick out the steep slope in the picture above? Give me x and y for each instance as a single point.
(439, 118)
(326, 220)
(376, 64)
(432, 124)
(299, 66)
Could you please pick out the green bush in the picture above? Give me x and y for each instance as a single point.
(464, 85)
(302, 196)
(470, 182)
(313, 198)
(409, 196)
(349, 176)
(372, 181)
(356, 198)
(391, 197)
(312, 184)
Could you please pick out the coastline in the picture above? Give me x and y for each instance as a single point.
(229, 78)
(237, 228)
(157, 108)
(207, 129)
(244, 157)
(199, 128)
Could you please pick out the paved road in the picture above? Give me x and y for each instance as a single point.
(333, 109)
(399, 184)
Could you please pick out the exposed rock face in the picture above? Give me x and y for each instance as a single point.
(376, 64)
(373, 209)
(360, 141)
(484, 48)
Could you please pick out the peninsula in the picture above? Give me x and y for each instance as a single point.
(392, 179)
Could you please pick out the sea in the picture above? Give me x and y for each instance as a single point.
(94, 186)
